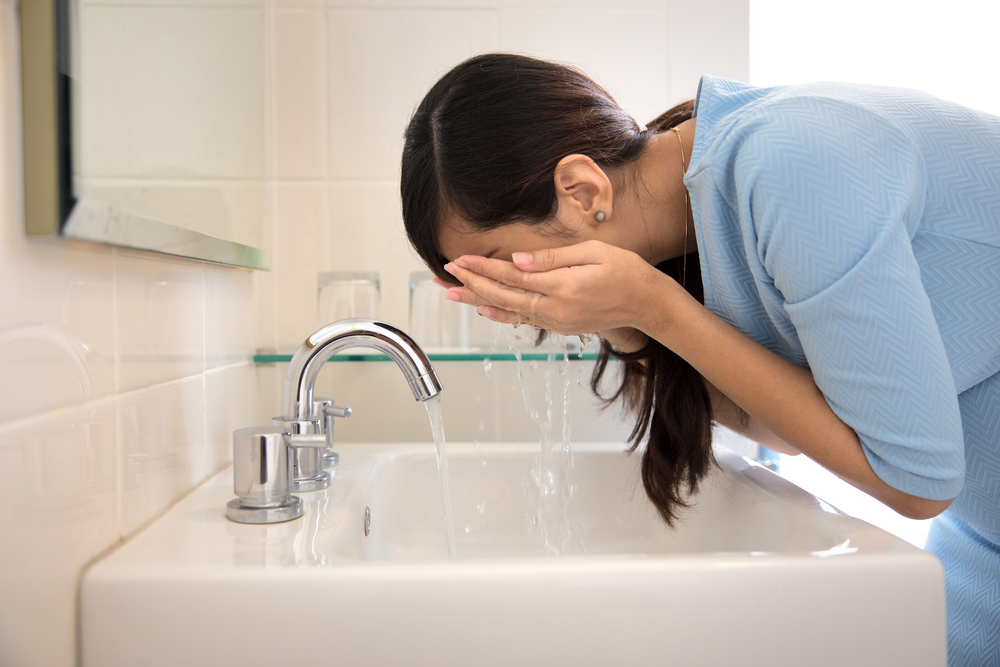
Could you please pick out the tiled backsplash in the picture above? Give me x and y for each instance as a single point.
(122, 377)
(339, 120)
(123, 374)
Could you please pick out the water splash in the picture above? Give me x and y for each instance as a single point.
(566, 464)
(488, 369)
(555, 461)
(433, 406)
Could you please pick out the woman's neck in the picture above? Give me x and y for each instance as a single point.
(654, 213)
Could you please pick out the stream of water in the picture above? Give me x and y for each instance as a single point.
(433, 406)
(554, 463)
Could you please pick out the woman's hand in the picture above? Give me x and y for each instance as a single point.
(578, 289)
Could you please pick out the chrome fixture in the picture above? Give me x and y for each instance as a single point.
(326, 408)
(290, 455)
(262, 477)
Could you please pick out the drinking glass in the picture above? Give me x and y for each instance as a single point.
(436, 322)
(346, 294)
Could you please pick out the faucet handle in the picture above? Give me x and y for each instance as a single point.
(301, 440)
(337, 411)
(262, 476)
(308, 442)
(330, 457)
(324, 410)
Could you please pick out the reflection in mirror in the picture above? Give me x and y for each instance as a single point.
(159, 122)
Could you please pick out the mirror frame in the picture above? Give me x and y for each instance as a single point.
(50, 209)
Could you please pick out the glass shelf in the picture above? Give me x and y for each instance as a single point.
(471, 355)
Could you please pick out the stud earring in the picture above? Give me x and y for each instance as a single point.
(600, 217)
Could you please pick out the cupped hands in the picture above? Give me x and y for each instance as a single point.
(579, 289)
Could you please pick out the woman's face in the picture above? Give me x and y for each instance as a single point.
(460, 238)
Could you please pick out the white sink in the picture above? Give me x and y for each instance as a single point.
(758, 573)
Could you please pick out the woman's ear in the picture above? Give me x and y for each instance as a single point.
(582, 190)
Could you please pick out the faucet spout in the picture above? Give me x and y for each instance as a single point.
(319, 347)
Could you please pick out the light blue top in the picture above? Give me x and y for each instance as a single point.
(855, 230)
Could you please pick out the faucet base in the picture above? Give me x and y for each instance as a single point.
(238, 512)
(317, 482)
(330, 458)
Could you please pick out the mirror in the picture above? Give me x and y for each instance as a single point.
(145, 125)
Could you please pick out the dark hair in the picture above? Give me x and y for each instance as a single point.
(483, 146)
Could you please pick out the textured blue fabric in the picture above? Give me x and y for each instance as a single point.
(970, 598)
(855, 230)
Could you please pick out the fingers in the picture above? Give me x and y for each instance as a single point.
(506, 317)
(496, 269)
(485, 309)
(588, 252)
(466, 296)
(498, 315)
(488, 310)
(525, 311)
(505, 273)
(460, 294)
(493, 292)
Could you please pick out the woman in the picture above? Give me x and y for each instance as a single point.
(815, 266)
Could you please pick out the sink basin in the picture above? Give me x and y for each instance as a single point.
(500, 511)
(556, 562)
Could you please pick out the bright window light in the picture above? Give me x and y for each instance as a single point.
(946, 49)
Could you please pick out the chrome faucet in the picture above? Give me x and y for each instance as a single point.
(271, 462)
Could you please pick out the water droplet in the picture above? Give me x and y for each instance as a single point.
(468, 527)
(533, 365)
(488, 366)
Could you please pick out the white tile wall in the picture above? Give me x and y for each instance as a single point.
(383, 62)
(367, 235)
(298, 258)
(384, 54)
(230, 315)
(160, 319)
(162, 435)
(58, 487)
(233, 400)
(631, 63)
(477, 406)
(123, 374)
(47, 332)
(300, 63)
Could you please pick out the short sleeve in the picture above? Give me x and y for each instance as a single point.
(834, 192)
